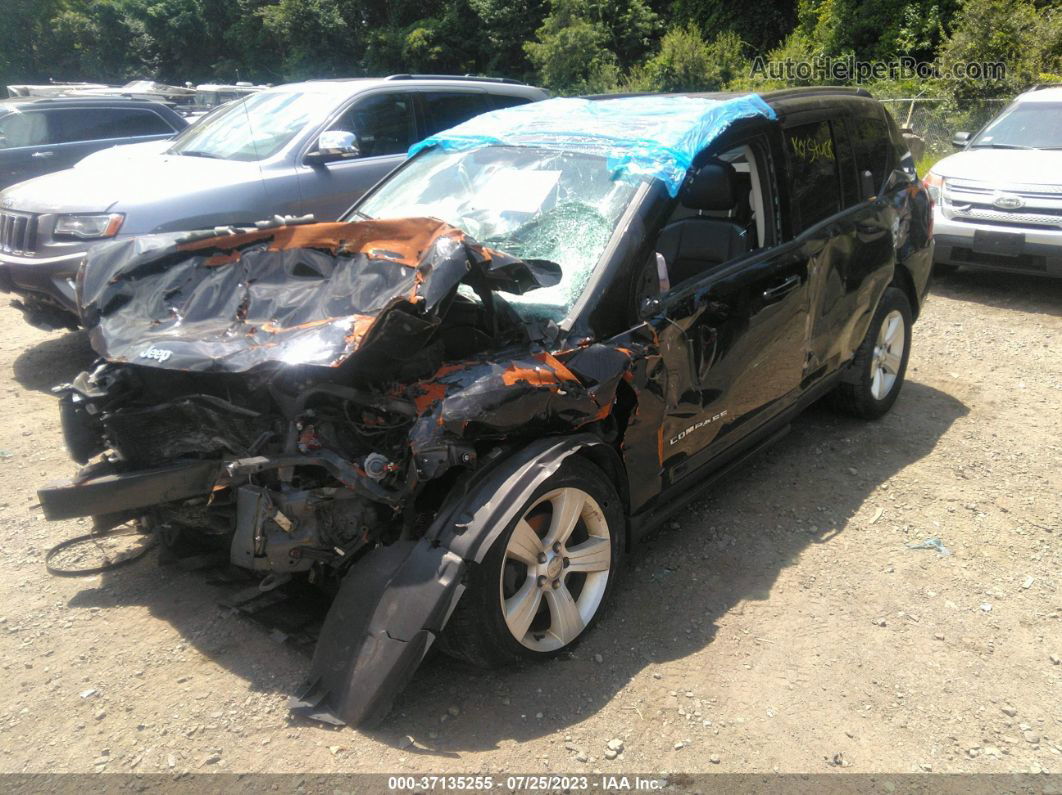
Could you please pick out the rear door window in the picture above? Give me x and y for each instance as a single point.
(24, 129)
(446, 109)
(813, 174)
(873, 148)
(94, 124)
(500, 101)
(383, 124)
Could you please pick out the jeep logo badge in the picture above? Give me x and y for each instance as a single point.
(158, 354)
(1007, 201)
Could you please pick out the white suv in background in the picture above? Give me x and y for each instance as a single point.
(998, 203)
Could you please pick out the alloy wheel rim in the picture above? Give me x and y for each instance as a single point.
(555, 569)
(888, 355)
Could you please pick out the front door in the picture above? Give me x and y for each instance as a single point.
(384, 126)
(733, 338)
(734, 346)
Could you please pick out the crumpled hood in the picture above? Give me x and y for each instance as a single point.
(1003, 166)
(101, 187)
(312, 294)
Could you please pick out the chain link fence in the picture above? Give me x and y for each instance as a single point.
(928, 123)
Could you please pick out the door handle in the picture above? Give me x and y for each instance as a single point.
(787, 286)
(43, 155)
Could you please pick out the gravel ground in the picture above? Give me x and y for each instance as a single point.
(783, 623)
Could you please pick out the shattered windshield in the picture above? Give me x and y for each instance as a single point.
(531, 203)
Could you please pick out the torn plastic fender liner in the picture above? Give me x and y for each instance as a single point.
(394, 603)
(388, 611)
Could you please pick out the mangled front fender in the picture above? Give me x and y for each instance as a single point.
(393, 605)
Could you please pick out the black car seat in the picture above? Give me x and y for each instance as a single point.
(694, 244)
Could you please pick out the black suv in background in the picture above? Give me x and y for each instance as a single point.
(45, 134)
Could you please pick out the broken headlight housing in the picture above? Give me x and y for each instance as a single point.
(89, 226)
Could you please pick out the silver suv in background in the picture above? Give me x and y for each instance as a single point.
(999, 201)
(308, 148)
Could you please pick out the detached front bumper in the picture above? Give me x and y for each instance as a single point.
(995, 246)
(45, 285)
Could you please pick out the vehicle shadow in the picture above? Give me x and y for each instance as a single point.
(674, 589)
(57, 360)
(1016, 291)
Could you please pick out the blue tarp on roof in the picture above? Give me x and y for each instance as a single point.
(649, 136)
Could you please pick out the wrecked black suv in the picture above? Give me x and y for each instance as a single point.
(457, 408)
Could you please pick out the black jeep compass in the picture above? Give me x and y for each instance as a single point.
(456, 409)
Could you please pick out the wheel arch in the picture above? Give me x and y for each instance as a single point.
(904, 280)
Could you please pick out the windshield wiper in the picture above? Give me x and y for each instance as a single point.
(1002, 146)
(198, 153)
(362, 215)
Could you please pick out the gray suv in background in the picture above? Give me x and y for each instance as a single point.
(298, 149)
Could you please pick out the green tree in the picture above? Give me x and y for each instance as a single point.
(1027, 39)
(571, 50)
(686, 62)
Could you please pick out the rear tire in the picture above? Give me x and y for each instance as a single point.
(547, 577)
(880, 363)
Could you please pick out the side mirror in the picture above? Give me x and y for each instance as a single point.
(335, 145)
(960, 139)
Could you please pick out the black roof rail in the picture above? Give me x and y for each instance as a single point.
(473, 78)
(816, 91)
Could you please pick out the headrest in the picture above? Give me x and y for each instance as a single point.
(712, 187)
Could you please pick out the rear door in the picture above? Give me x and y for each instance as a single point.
(843, 229)
(385, 126)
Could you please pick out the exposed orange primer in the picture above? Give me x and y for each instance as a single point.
(402, 240)
(223, 259)
(660, 445)
(431, 393)
(273, 328)
(557, 366)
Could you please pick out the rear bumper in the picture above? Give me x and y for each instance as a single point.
(1040, 254)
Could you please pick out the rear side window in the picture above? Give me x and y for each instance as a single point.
(23, 129)
(500, 101)
(383, 124)
(814, 185)
(446, 109)
(873, 148)
(94, 124)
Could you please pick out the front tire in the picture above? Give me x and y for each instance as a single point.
(547, 577)
(880, 363)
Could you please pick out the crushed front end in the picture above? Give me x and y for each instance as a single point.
(311, 398)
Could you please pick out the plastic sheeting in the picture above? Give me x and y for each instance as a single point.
(651, 136)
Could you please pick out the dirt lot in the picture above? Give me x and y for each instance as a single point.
(782, 623)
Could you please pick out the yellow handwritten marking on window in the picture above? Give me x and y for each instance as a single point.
(812, 149)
